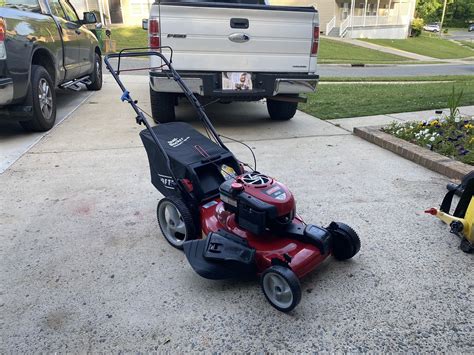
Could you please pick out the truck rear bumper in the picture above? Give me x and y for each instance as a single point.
(264, 84)
(6, 91)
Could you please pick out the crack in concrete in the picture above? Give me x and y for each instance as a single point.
(141, 146)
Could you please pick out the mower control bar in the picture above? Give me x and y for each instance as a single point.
(124, 53)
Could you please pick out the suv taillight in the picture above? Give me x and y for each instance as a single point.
(154, 33)
(315, 43)
(3, 27)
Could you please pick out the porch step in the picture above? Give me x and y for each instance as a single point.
(334, 32)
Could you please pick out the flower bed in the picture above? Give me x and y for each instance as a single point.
(452, 135)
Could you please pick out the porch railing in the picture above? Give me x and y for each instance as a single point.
(330, 25)
(371, 21)
(344, 25)
(361, 21)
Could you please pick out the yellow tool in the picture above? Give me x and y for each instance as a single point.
(462, 222)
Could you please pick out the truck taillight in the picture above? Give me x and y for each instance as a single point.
(3, 27)
(154, 33)
(315, 43)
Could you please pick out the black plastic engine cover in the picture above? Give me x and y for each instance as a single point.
(251, 213)
(311, 234)
(221, 256)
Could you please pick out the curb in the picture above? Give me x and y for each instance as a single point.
(427, 158)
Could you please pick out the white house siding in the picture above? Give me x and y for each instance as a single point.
(388, 32)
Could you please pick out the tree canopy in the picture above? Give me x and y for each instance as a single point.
(458, 12)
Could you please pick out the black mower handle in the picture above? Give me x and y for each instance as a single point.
(147, 52)
(124, 53)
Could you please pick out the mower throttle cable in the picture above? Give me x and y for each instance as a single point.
(249, 148)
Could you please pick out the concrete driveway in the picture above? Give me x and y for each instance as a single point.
(83, 266)
(14, 141)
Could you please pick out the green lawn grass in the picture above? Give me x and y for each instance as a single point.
(129, 37)
(354, 100)
(431, 46)
(469, 44)
(331, 51)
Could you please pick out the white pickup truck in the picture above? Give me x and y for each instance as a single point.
(232, 51)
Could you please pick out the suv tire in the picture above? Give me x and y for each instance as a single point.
(96, 76)
(42, 97)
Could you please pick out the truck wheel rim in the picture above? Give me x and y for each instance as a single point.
(45, 97)
(172, 223)
(277, 290)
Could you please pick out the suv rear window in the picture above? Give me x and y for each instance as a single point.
(25, 5)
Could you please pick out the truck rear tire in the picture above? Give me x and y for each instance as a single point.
(96, 76)
(162, 106)
(42, 97)
(281, 110)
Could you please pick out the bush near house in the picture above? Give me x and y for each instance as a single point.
(417, 26)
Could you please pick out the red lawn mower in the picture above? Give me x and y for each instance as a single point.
(232, 221)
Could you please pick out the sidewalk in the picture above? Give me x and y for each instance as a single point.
(349, 123)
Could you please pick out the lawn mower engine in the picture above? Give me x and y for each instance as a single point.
(259, 202)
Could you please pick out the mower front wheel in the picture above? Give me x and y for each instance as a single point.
(176, 221)
(345, 241)
(281, 287)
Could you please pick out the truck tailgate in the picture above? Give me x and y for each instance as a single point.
(276, 40)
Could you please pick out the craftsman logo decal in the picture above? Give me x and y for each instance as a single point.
(276, 192)
(176, 142)
(167, 181)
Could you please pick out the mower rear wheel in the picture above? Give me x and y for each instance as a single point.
(345, 241)
(176, 221)
(281, 287)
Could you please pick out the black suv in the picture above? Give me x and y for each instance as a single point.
(44, 45)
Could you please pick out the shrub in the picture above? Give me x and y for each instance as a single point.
(416, 26)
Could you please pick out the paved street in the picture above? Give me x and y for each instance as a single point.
(397, 70)
(83, 267)
(461, 35)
